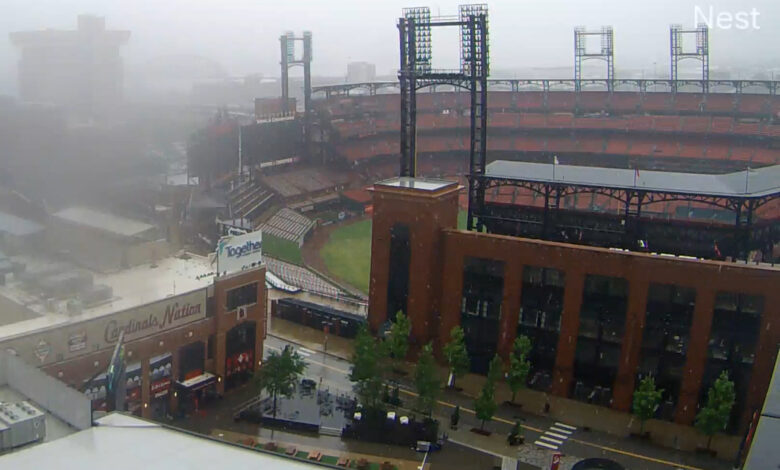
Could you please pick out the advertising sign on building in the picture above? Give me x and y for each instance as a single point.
(237, 253)
(63, 343)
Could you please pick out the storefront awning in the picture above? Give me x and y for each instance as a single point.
(196, 383)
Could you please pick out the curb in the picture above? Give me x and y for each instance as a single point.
(298, 343)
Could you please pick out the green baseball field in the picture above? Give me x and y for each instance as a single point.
(347, 254)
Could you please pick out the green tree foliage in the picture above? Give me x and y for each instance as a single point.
(425, 380)
(456, 353)
(714, 416)
(398, 338)
(279, 374)
(519, 365)
(485, 404)
(646, 399)
(367, 368)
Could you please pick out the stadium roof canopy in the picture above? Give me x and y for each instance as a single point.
(753, 183)
(124, 442)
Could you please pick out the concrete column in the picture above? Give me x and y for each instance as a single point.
(632, 344)
(173, 395)
(696, 356)
(510, 308)
(765, 354)
(219, 360)
(570, 326)
(452, 284)
(146, 389)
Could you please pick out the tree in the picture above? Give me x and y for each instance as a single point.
(456, 353)
(398, 338)
(485, 404)
(519, 365)
(714, 416)
(646, 400)
(367, 368)
(279, 374)
(425, 380)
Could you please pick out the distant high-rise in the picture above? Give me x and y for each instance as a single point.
(80, 69)
(360, 72)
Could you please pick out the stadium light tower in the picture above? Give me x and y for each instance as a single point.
(700, 53)
(287, 43)
(414, 30)
(606, 53)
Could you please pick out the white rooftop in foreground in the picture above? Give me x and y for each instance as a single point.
(122, 442)
(55, 427)
(423, 184)
(132, 287)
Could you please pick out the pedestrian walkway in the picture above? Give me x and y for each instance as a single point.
(555, 436)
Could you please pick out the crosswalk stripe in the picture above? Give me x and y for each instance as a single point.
(550, 439)
(559, 436)
(305, 350)
(561, 431)
(544, 444)
(304, 353)
(566, 426)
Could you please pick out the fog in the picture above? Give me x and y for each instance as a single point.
(241, 35)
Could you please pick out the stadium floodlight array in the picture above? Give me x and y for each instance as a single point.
(606, 53)
(700, 53)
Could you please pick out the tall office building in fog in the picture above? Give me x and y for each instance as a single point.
(359, 72)
(79, 69)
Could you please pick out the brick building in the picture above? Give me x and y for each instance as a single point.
(599, 318)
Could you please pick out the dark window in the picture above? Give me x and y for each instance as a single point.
(602, 320)
(736, 322)
(540, 319)
(398, 277)
(483, 291)
(668, 318)
(244, 295)
(210, 347)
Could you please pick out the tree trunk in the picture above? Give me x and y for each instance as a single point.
(482, 425)
(514, 394)
(709, 441)
(641, 427)
(274, 409)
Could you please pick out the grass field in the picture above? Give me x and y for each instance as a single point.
(284, 250)
(347, 254)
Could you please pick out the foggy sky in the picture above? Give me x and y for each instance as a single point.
(242, 35)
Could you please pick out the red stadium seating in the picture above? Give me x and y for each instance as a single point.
(657, 102)
(593, 102)
(695, 124)
(561, 101)
(720, 103)
(666, 123)
(689, 102)
(753, 104)
(625, 102)
(721, 125)
(717, 151)
(529, 100)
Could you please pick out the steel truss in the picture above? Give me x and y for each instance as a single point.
(745, 230)
(768, 87)
(606, 53)
(416, 72)
(701, 53)
(287, 43)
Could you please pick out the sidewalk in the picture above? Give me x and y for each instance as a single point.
(338, 347)
(583, 444)
(241, 438)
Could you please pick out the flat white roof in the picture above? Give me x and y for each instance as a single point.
(123, 442)
(103, 221)
(132, 287)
